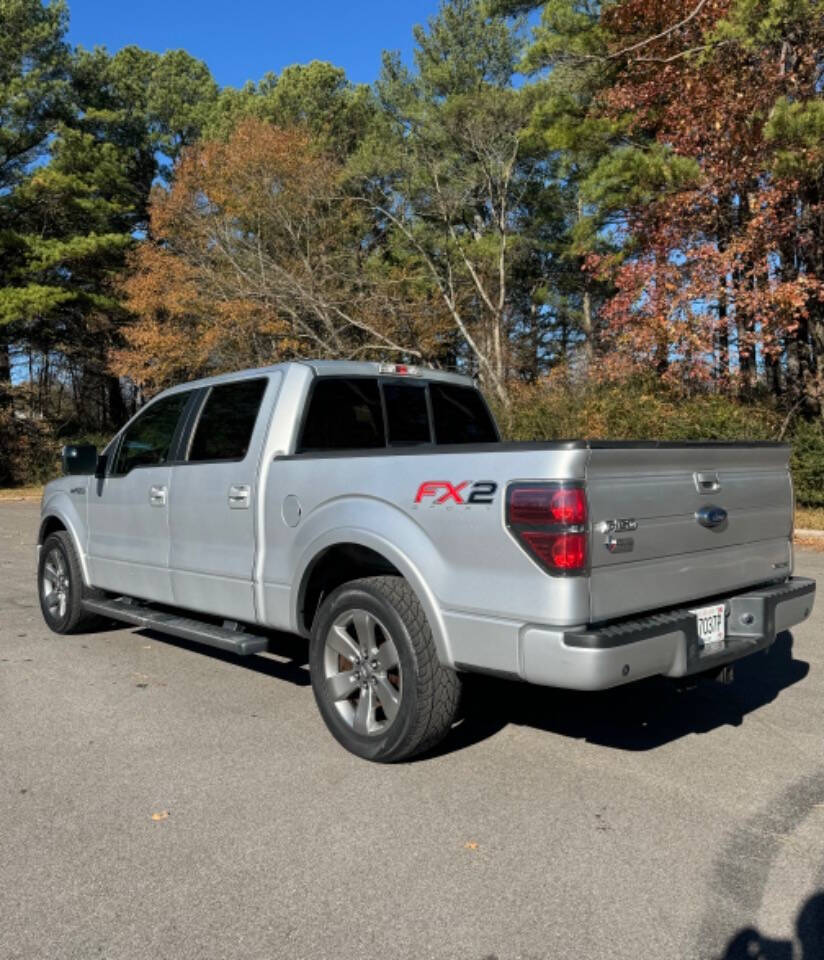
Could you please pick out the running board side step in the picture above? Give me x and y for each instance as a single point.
(188, 628)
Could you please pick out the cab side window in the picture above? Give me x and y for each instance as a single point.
(148, 441)
(343, 414)
(227, 421)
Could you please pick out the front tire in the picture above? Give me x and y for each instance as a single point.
(376, 676)
(60, 586)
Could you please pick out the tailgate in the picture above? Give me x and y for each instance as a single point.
(672, 524)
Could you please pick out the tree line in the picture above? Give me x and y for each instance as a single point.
(615, 207)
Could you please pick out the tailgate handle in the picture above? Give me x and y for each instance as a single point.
(706, 482)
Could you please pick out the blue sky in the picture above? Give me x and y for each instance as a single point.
(242, 40)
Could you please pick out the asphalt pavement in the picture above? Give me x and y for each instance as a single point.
(164, 800)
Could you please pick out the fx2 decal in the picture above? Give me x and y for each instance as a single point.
(442, 491)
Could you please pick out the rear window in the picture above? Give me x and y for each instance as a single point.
(344, 415)
(348, 414)
(407, 414)
(227, 421)
(460, 416)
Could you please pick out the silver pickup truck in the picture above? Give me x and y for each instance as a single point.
(373, 509)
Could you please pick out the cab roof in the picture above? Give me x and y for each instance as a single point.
(334, 368)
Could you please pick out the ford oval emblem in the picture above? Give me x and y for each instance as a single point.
(711, 516)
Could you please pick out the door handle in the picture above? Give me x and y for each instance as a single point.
(707, 482)
(239, 496)
(157, 496)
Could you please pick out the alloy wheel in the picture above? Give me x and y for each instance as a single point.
(56, 584)
(362, 672)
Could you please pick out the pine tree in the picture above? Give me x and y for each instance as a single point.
(76, 216)
(34, 98)
(450, 183)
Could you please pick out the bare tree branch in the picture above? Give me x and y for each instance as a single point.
(658, 36)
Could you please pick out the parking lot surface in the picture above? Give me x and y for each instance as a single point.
(164, 800)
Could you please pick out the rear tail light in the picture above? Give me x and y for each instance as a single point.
(539, 505)
(549, 521)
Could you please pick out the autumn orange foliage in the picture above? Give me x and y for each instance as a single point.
(256, 255)
(727, 271)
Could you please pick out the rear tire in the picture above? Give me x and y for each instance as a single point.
(376, 676)
(60, 586)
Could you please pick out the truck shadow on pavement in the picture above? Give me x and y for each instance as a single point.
(748, 943)
(639, 716)
(286, 657)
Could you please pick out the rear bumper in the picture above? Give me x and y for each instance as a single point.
(596, 658)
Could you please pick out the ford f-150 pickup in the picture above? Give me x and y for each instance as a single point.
(374, 509)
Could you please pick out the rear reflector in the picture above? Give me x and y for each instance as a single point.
(549, 521)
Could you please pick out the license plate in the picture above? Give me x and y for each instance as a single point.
(711, 625)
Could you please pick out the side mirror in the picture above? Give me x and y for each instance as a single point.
(79, 460)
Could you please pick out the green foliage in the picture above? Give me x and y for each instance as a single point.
(180, 96)
(570, 30)
(316, 96)
(464, 49)
(808, 462)
(636, 409)
(798, 130)
(451, 184)
(34, 98)
(66, 226)
(645, 409)
(34, 89)
(567, 57)
(753, 23)
(145, 104)
(29, 301)
(629, 176)
(55, 252)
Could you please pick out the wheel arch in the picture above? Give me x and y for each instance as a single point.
(50, 524)
(345, 555)
(63, 516)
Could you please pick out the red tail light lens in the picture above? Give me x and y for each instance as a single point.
(547, 520)
(563, 551)
(536, 506)
(531, 506)
(569, 506)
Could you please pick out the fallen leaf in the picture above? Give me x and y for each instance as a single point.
(161, 815)
(471, 845)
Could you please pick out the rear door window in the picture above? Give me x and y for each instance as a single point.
(343, 414)
(407, 414)
(227, 421)
(460, 415)
(147, 441)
